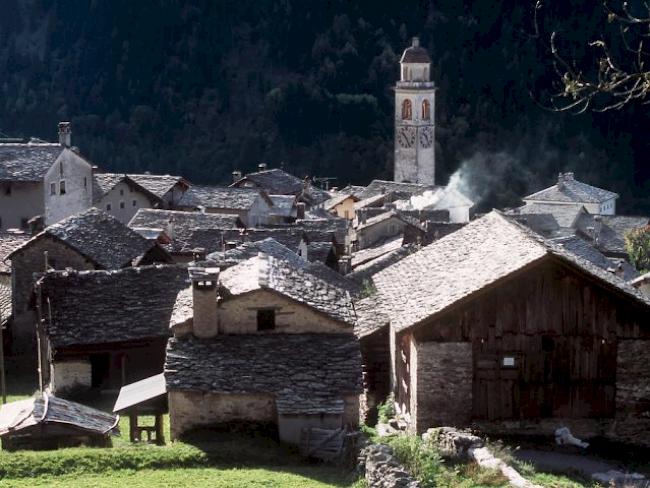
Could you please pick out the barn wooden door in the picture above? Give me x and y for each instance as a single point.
(497, 386)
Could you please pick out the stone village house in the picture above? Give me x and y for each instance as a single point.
(514, 332)
(263, 341)
(102, 329)
(43, 179)
(86, 241)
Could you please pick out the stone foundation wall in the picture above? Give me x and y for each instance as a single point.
(190, 409)
(69, 375)
(632, 422)
(442, 379)
(383, 470)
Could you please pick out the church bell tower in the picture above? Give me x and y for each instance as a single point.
(414, 118)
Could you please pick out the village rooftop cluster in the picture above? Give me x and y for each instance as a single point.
(273, 300)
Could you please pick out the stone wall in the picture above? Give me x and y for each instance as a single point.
(69, 375)
(383, 470)
(190, 409)
(632, 422)
(376, 370)
(19, 202)
(238, 315)
(78, 196)
(125, 194)
(441, 376)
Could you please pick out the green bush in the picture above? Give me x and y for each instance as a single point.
(386, 409)
(420, 458)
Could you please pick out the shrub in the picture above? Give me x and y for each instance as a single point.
(420, 458)
(386, 409)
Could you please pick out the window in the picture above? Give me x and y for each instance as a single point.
(266, 319)
(122, 192)
(62, 187)
(407, 110)
(405, 73)
(135, 203)
(426, 110)
(508, 362)
(121, 204)
(52, 188)
(85, 182)
(108, 207)
(8, 189)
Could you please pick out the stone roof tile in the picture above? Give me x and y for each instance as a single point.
(307, 373)
(27, 162)
(10, 240)
(220, 197)
(570, 190)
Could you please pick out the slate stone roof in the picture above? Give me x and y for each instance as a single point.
(371, 315)
(27, 162)
(98, 236)
(307, 373)
(585, 250)
(48, 409)
(101, 307)
(189, 230)
(338, 198)
(415, 54)
(9, 242)
(271, 247)
(401, 190)
(283, 205)
(264, 272)
(155, 186)
(468, 260)
(570, 190)
(158, 185)
(544, 224)
(275, 181)
(319, 251)
(364, 255)
(609, 240)
(385, 216)
(565, 215)
(364, 272)
(221, 197)
(5, 303)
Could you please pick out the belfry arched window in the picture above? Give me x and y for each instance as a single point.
(426, 110)
(407, 110)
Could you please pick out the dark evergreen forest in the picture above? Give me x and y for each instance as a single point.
(202, 87)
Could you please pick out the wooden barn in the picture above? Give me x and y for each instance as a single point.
(493, 326)
(48, 422)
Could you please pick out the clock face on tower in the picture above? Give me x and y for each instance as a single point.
(426, 137)
(406, 136)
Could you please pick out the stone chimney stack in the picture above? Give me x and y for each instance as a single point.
(261, 167)
(204, 298)
(300, 210)
(65, 134)
(236, 176)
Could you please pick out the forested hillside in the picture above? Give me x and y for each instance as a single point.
(202, 87)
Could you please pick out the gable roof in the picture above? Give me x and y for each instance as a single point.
(27, 162)
(564, 215)
(386, 216)
(10, 240)
(277, 250)
(48, 409)
(307, 373)
(99, 237)
(158, 185)
(222, 197)
(103, 183)
(468, 260)
(570, 190)
(264, 272)
(401, 190)
(101, 307)
(275, 181)
(338, 199)
(188, 230)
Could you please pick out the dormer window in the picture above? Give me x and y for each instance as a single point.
(265, 319)
(407, 110)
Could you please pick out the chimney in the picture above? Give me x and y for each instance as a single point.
(261, 167)
(416, 42)
(300, 210)
(170, 228)
(236, 175)
(204, 299)
(65, 134)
